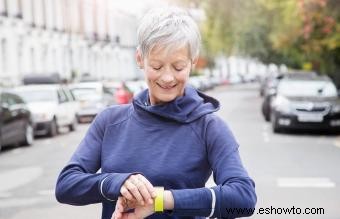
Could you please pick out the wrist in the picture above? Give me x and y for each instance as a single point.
(164, 200)
(168, 200)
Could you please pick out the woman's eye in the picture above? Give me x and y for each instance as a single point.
(156, 68)
(178, 69)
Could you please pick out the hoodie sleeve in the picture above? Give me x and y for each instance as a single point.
(234, 196)
(79, 183)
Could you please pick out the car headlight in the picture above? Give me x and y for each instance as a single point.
(336, 108)
(282, 104)
(41, 117)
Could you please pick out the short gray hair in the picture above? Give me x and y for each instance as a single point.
(171, 27)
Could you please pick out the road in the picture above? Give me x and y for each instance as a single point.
(292, 171)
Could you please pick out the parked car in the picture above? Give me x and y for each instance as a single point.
(53, 106)
(92, 99)
(124, 91)
(16, 126)
(306, 103)
(196, 82)
(270, 89)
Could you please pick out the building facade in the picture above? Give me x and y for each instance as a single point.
(70, 38)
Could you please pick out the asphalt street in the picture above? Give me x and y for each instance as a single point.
(299, 171)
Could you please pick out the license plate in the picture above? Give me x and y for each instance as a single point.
(310, 118)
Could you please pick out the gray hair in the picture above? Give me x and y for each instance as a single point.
(170, 27)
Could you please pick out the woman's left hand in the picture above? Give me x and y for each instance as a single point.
(140, 211)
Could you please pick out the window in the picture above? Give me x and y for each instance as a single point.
(15, 99)
(10, 99)
(61, 96)
(69, 95)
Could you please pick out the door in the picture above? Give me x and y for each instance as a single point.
(12, 118)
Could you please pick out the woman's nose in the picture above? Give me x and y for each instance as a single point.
(167, 77)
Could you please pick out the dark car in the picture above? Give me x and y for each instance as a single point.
(15, 120)
(306, 103)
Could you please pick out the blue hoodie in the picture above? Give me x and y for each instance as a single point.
(176, 145)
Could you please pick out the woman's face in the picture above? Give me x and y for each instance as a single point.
(166, 73)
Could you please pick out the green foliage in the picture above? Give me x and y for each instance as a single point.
(293, 32)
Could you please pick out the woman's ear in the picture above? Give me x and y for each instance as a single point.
(139, 59)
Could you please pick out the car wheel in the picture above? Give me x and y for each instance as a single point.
(29, 135)
(53, 129)
(275, 127)
(73, 125)
(267, 116)
(79, 119)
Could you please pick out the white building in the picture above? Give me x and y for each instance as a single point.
(63, 36)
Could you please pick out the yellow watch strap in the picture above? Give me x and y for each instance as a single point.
(159, 200)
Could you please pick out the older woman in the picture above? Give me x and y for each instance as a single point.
(157, 153)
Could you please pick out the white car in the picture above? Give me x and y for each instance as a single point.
(53, 106)
(91, 97)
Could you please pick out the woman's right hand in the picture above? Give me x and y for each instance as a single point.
(123, 206)
(138, 188)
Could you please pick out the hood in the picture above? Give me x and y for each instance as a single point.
(185, 109)
(41, 107)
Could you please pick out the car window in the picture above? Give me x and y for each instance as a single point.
(16, 99)
(307, 88)
(68, 94)
(86, 94)
(61, 96)
(10, 99)
(3, 98)
(41, 95)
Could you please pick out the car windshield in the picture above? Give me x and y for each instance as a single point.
(43, 95)
(85, 93)
(307, 88)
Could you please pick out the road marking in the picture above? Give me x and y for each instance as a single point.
(265, 136)
(265, 127)
(305, 182)
(18, 177)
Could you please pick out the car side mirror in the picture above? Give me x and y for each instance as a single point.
(5, 107)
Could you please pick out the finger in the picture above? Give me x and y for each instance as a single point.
(126, 193)
(149, 186)
(134, 191)
(118, 215)
(118, 204)
(143, 190)
(120, 208)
